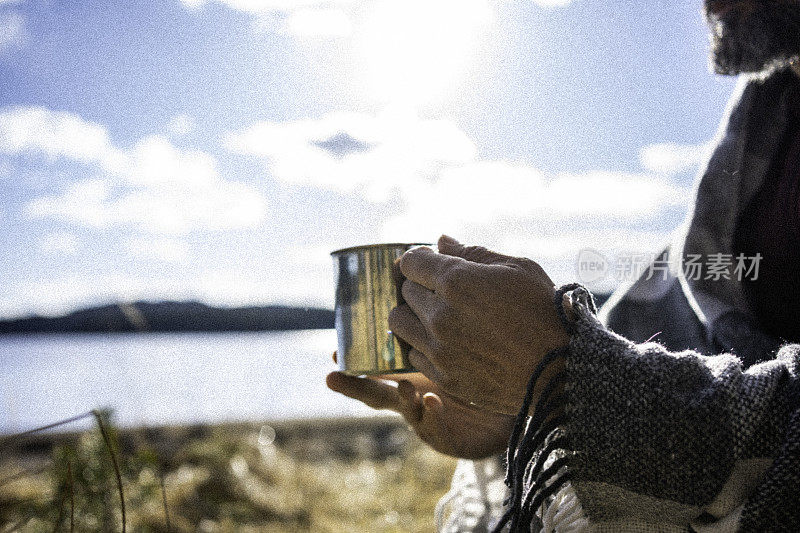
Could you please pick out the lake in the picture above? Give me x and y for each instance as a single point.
(168, 378)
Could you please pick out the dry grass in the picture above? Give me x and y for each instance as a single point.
(348, 475)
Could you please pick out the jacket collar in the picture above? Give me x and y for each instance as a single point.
(746, 143)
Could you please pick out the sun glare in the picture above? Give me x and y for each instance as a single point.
(415, 51)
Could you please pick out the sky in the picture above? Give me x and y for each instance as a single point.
(219, 150)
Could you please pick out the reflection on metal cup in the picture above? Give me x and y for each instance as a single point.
(366, 292)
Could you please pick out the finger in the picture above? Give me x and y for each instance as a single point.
(432, 424)
(424, 365)
(476, 254)
(421, 300)
(410, 402)
(420, 382)
(397, 277)
(424, 266)
(432, 402)
(406, 325)
(374, 393)
(400, 376)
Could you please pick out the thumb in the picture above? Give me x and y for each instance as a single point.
(432, 402)
(477, 254)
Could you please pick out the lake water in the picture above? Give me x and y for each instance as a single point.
(153, 379)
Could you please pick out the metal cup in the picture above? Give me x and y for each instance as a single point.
(366, 291)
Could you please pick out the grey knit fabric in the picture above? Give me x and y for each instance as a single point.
(652, 436)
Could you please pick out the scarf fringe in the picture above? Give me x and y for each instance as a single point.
(541, 430)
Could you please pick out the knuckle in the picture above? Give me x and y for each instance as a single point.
(454, 280)
(404, 261)
(420, 362)
(373, 403)
(508, 278)
(407, 259)
(436, 349)
(395, 317)
(440, 322)
(478, 253)
(445, 381)
(406, 289)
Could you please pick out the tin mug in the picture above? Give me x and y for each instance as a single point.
(366, 291)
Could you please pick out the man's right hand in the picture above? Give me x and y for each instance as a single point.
(445, 423)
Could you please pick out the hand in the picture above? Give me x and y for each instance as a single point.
(478, 322)
(445, 423)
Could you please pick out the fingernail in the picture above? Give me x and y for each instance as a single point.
(431, 401)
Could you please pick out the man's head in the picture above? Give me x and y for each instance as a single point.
(753, 35)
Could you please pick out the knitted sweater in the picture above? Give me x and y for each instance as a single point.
(651, 440)
(672, 435)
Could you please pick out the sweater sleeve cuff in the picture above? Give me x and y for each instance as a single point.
(534, 438)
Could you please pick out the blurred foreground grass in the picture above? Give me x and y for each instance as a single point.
(325, 475)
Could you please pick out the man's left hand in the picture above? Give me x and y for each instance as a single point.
(478, 322)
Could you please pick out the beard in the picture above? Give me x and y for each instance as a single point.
(755, 36)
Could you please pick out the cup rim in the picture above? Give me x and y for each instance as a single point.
(379, 245)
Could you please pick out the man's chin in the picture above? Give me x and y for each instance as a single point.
(753, 37)
(726, 67)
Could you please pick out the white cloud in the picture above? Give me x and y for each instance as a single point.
(13, 32)
(336, 18)
(83, 203)
(433, 164)
(612, 195)
(180, 125)
(561, 245)
(673, 158)
(155, 161)
(347, 152)
(301, 18)
(59, 243)
(558, 251)
(153, 185)
(442, 186)
(552, 3)
(55, 134)
(486, 192)
(269, 6)
(318, 22)
(162, 249)
(162, 209)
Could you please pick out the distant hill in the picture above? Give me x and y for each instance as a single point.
(179, 316)
(173, 316)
